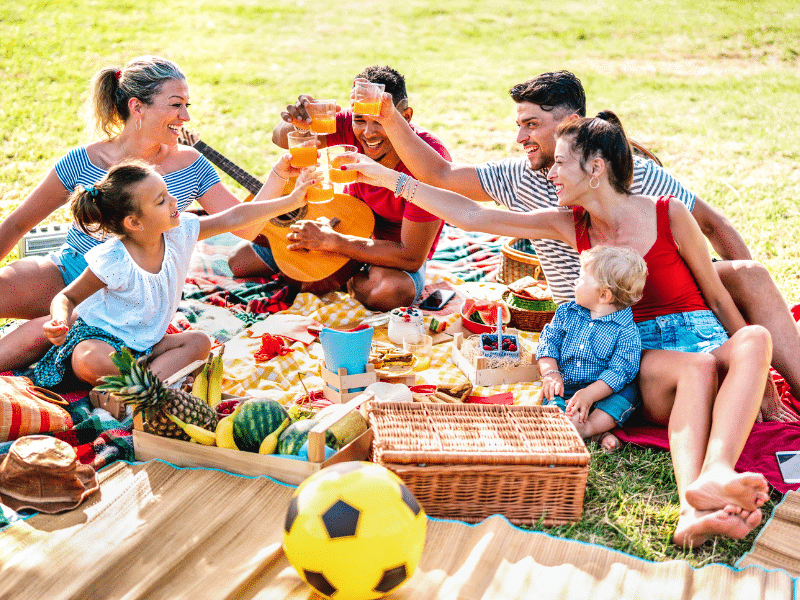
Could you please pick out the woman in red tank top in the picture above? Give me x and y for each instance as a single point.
(708, 397)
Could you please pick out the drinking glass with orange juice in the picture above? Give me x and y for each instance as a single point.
(367, 98)
(303, 148)
(341, 155)
(322, 191)
(323, 116)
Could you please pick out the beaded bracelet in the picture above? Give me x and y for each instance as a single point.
(414, 191)
(401, 181)
(406, 187)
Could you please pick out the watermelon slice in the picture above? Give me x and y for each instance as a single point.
(485, 311)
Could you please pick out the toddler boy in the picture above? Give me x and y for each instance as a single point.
(589, 354)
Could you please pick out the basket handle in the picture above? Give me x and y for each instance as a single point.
(47, 395)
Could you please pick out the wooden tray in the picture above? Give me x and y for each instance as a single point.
(148, 446)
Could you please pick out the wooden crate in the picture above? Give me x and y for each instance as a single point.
(148, 446)
(479, 374)
(338, 385)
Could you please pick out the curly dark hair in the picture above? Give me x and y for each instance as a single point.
(559, 90)
(395, 82)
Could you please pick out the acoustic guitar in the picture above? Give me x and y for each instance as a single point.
(347, 215)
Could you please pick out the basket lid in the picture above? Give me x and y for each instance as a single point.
(414, 433)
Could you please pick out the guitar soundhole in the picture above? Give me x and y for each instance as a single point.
(290, 217)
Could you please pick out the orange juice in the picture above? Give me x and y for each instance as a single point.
(320, 192)
(323, 125)
(367, 108)
(288, 186)
(336, 175)
(303, 156)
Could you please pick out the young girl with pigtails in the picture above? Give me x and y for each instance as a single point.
(131, 288)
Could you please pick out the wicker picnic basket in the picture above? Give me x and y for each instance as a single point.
(518, 260)
(529, 315)
(470, 461)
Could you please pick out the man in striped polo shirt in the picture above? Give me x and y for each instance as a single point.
(521, 184)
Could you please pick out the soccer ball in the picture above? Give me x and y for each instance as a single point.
(354, 531)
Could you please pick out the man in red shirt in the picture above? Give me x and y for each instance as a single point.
(405, 236)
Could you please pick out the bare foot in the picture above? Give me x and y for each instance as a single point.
(720, 487)
(607, 441)
(773, 408)
(696, 526)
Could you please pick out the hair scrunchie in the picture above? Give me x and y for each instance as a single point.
(91, 190)
(118, 74)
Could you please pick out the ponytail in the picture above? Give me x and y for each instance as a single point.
(101, 209)
(605, 137)
(111, 89)
(104, 117)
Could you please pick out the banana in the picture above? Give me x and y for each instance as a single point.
(215, 379)
(225, 432)
(270, 442)
(198, 434)
(200, 385)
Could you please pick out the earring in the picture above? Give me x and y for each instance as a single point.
(138, 124)
(596, 180)
(141, 227)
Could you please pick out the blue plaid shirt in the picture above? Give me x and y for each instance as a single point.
(587, 350)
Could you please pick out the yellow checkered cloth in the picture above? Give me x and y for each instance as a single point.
(280, 378)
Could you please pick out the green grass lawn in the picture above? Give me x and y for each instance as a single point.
(711, 91)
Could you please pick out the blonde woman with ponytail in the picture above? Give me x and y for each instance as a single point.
(135, 112)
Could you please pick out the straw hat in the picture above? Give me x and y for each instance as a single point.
(43, 473)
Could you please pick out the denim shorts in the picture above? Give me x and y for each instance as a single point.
(69, 261)
(620, 405)
(696, 331)
(417, 277)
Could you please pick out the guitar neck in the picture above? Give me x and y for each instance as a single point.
(239, 175)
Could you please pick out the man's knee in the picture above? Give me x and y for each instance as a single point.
(743, 276)
(384, 292)
(244, 262)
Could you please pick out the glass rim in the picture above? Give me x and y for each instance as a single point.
(370, 84)
(302, 133)
(343, 148)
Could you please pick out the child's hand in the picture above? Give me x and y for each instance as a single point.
(284, 169)
(581, 404)
(552, 385)
(56, 330)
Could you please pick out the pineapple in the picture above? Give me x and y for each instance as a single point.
(136, 385)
